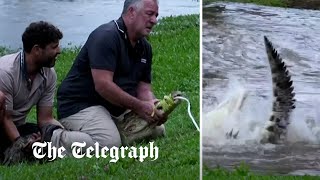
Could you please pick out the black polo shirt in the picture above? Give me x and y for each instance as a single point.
(107, 48)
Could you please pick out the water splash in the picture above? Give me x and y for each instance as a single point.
(248, 112)
(305, 128)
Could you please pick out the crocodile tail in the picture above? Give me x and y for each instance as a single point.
(283, 96)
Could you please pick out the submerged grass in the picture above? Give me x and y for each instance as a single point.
(175, 43)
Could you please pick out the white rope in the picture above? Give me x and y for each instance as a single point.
(189, 111)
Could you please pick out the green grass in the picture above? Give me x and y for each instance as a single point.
(243, 172)
(175, 67)
(306, 4)
(275, 3)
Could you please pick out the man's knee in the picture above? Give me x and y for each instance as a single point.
(96, 122)
(109, 140)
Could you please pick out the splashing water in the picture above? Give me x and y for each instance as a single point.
(304, 128)
(248, 114)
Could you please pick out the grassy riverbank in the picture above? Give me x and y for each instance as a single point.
(175, 67)
(307, 4)
(276, 3)
(243, 172)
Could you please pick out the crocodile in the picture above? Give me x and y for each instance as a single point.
(275, 130)
(132, 128)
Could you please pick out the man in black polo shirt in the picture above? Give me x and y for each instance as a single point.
(111, 74)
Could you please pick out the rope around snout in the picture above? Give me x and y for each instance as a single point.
(189, 111)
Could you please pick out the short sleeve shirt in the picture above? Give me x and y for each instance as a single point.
(107, 48)
(19, 97)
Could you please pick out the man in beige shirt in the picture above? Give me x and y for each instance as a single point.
(27, 78)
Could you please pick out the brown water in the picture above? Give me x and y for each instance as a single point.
(234, 59)
(76, 18)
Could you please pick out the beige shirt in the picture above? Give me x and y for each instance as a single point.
(19, 99)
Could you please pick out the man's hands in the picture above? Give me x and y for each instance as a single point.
(148, 111)
(35, 137)
(160, 115)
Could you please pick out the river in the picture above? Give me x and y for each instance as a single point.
(234, 60)
(76, 18)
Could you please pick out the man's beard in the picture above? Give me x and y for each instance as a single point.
(49, 63)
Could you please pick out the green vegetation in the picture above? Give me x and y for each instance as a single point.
(275, 3)
(243, 172)
(175, 43)
(306, 4)
(4, 50)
